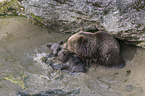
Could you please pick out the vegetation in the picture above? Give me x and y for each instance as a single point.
(11, 8)
(18, 80)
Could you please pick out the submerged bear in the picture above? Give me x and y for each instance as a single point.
(85, 48)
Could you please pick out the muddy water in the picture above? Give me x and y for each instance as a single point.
(21, 47)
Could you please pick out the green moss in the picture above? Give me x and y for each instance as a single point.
(36, 20)
(18, 80)
(126, 80)
(128, 72)
(115, 73)
(20, 0)
(10, 60)
(10, 8)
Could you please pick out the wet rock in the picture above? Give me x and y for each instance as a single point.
(125, 19)
(56, 92)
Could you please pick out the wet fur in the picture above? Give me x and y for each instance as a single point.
(97, 47)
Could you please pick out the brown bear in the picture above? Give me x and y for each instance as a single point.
(69, 61)
(96, 47)
(84, 48)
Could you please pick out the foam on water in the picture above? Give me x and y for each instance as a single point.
(38, 58)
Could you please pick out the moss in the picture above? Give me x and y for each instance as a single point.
(13, 8)
(10, 8)
(36, 20)
(10, 60)
(18, 80)
(20, 0)
(115, 73)
(128, 72)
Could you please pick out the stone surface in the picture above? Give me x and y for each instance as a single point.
(125, 19)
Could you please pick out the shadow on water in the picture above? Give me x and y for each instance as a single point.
(127, 51)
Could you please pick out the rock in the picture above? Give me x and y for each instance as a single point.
(125, 19)
(55, 92)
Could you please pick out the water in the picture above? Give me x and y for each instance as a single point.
(22, 45)
(19, 42)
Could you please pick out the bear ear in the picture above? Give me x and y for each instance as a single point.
(82, 40)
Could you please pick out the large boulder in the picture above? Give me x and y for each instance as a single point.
(125, 19)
